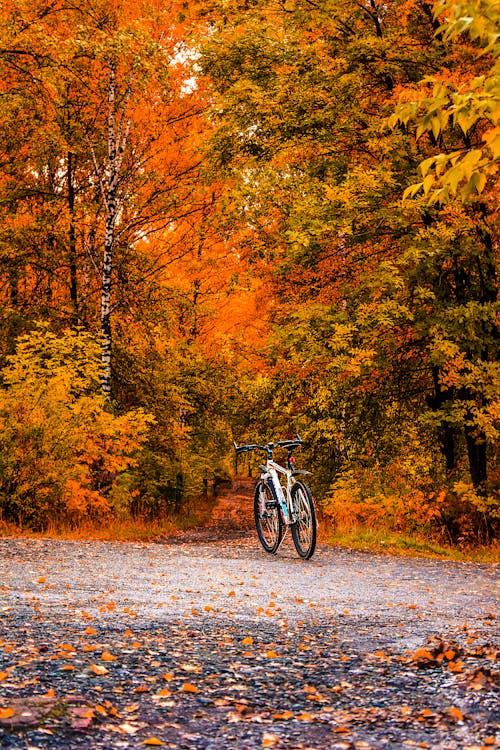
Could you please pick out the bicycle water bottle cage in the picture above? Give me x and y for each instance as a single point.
(262, 467)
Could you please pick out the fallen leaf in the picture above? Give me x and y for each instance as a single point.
(90, 631)
(153, 741)
(455, 713)
(6, 713)
(106, 656)
(248, 641)
(99, 670)
(129, 728)
(284, 716)
(189, 688)
(268, 739)
(422, 653)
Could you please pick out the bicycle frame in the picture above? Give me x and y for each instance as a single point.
(271, 472)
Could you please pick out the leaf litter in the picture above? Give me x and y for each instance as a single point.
(216, 678)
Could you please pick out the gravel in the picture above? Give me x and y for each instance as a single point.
(279, 652)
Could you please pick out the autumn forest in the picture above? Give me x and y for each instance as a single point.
(241, 220)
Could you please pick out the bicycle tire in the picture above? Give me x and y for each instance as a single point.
(267, 518)
(304, 529)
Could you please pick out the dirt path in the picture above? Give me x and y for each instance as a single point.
(207, 642)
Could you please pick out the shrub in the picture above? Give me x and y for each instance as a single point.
(61, 446)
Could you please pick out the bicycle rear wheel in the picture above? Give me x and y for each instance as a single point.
(305, 527)
(267, 518)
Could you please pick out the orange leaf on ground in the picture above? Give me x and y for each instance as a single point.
(3, 675)
(455, 713)
(284, 716)
(96, 669)
(189, 688)
(90, 631)
(106, 656)
(6, 713)
(248, 641)
(153, 741)
(422, 654)
(268, 739)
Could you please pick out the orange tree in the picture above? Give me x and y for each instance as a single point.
(376, 303)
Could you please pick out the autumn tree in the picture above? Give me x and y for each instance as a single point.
(370, 295)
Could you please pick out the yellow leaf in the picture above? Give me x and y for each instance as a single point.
(189, 688)
(247, 641)
(6, 713)
(96, 669)
(272, 655)
(153, 741)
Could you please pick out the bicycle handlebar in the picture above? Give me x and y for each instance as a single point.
(269, 447)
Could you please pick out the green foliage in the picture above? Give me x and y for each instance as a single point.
(470, 104)
(62, 448)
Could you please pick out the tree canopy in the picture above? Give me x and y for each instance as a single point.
(268, 216)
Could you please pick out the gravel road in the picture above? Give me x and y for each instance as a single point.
(218, 645)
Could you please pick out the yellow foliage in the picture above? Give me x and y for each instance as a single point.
(62, 446)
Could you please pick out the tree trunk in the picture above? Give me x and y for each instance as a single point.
(109, 238)
(73, 284)
(446, 432)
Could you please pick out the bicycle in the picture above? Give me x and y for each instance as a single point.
(278, 506)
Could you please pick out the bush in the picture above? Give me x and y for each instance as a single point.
(61, 446)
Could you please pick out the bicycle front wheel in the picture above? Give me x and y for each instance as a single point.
(267, 518)
(305, 526)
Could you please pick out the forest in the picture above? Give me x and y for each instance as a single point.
(241, 220)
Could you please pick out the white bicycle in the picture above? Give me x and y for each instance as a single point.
(278, 506)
